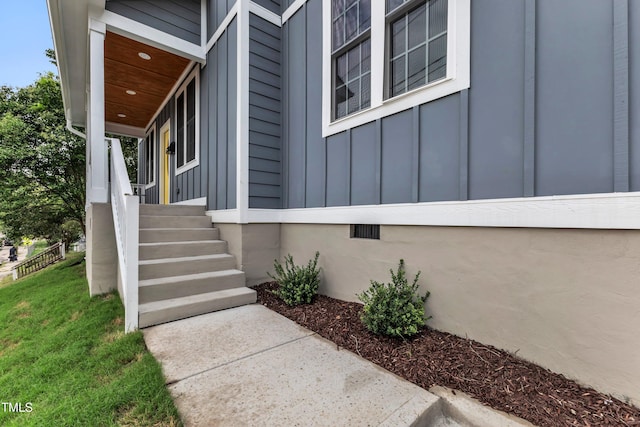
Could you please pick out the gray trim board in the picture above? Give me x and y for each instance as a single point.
(529, 153)
(464, 146)
(621, 95)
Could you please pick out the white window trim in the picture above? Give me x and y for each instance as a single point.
(458, 68)
(154, 145)
(182, 89)
(586, 211)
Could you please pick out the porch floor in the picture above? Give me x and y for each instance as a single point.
(251, 366)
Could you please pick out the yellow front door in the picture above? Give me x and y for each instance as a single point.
(165, 184)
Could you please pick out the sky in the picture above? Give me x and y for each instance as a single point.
(25, 34)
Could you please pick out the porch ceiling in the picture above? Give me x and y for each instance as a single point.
(149, 79)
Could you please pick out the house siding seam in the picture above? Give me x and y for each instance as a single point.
(178, 18)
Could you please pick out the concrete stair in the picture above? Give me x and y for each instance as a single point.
(184, 269)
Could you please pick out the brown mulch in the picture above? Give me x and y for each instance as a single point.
(497, 378)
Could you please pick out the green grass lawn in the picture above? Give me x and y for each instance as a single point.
(40, 246)
(66, 355)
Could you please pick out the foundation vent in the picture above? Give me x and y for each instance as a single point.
(365, 231)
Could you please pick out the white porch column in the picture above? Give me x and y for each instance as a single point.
(97, 168)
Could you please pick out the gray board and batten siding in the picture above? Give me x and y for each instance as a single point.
(180, 18)
(550, 111)
(218, 107)
(265, 106)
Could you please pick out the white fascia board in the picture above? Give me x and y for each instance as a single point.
(124, 130)
(69, 26)
(590, 211)
(145, 34)
(265, 14)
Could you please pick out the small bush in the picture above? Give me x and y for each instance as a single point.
(395, 309)
(298, 285)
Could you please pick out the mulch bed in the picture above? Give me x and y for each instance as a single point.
(495, 377)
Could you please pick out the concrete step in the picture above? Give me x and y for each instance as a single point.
(181, 249)
(170, 221)
(172, 210)
(181, 266)
(153, 313)
(158, 235)
(191, 284)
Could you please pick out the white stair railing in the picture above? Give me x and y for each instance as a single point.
(125, 206)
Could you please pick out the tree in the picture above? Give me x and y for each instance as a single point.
(42, 166)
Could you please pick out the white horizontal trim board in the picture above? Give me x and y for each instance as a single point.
(607, 211)
(145, 34)
(265, 14)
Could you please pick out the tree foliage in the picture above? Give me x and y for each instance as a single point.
(42, 165)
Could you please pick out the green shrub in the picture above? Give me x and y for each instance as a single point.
(395, 309)
(298, 285)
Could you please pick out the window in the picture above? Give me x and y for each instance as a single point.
(187, 124)
(351, 22)
(383, 57)
(150, 157)
(418, 44)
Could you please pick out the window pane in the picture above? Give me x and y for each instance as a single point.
(180, 130)
(351, 18)
(438, 58)
(353, 60)
(152, 161)
(337, 9)
(366, 90)
(418, 26)
(338, 32)
(398, 77)
(393, 4)
(365, 15)
(191, 120)
(437, 17)
(398, 35)
(417, 74)
(366, 56)
(353, 95)
(341, 102)
(341, 70)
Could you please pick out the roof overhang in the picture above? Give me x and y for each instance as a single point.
(134, 88)
(69, 28)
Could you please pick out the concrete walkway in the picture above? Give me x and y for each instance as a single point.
(250, 366)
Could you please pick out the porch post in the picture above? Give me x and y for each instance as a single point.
(97, 178)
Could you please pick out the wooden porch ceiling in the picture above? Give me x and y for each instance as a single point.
(147, 80)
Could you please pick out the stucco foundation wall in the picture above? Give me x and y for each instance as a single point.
(255, 247)
(568, 300)
(102, 256)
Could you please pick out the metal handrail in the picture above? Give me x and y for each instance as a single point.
(125, 207)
